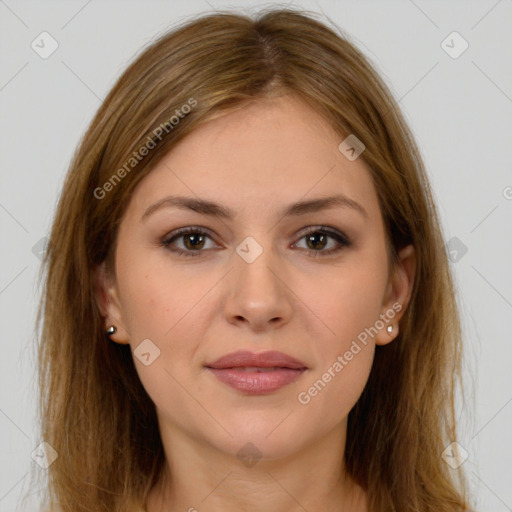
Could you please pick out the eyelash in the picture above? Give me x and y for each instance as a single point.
(341, 238)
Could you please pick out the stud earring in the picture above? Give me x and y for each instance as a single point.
(390, 329)
(111, 330)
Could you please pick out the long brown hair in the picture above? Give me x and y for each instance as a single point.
(94, 410)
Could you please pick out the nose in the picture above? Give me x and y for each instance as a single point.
(259, 294)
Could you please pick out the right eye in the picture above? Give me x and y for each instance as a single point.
(193, 241)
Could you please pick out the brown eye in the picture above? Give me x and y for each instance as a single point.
(317, 239)
(193, 241)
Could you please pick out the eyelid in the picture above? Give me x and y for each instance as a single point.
(188, 230)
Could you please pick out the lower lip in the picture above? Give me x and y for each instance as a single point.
(257, 383)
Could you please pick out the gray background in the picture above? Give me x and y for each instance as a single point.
(459, 109)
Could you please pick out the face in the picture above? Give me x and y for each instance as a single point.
(195, 282)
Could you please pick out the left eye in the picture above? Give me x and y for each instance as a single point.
(316, 240)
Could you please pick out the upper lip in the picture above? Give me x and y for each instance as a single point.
(263, 360)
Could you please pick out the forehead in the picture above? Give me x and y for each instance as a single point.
(264, 155)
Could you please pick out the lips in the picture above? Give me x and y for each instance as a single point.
(246, 359)
(256, 374)
(258, 369)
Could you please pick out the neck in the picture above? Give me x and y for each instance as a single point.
(199, 478)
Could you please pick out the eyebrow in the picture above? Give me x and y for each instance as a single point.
(222, 212)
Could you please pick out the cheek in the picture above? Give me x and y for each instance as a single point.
(333, 392)
(349, 307)
(346, 301)
(337, 382)
(157, 301)
(163, 307)
(164, 314)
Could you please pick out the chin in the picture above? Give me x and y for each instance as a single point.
(266, 437)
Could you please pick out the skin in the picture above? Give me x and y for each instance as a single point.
(198, 308)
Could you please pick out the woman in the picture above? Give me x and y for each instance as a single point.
(248, 305)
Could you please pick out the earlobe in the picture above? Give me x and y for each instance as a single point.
(108, 303)
(398, 294)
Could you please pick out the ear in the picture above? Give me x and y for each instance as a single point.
(398, 293)
(107, 299)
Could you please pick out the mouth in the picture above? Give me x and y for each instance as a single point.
(256, 374)
(257, 369)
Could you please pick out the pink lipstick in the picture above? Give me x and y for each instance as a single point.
(256, 374)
